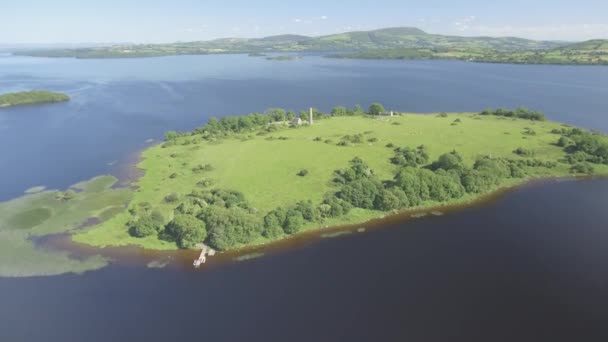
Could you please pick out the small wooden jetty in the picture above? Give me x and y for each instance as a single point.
(206, 251)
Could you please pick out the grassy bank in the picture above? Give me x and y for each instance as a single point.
(266, 167)
(31, 97)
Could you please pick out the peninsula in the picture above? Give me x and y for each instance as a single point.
(31, 97)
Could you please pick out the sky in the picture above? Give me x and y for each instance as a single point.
(155, 21)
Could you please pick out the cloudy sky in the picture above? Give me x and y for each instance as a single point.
(72, 21)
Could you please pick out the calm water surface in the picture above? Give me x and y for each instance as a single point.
(119, 104)
(531, 266)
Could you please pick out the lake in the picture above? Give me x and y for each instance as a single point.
(117, 105)
(531, 265)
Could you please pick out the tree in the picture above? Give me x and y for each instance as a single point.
(360, 193)
(308, 210)
(448, 161)
(277, 114)
(187, 230)
(387, 201)
(170, 135)
(339, 111)
(293, 222)
(144, 226)
(376, 109)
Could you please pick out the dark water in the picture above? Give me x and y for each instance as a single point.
(119, 104)
(531, 266)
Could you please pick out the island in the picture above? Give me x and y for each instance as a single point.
(282, 58)
(250, 180)
(386, 43)
(241, 181)
(31, 97)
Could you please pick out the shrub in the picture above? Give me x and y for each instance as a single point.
(520, 151)
(173, 175)
(171, 135)
(186, 230)
(293, 222)
(376, 109)
(172, 198)
(565, 142)
(390, 145)
(585, 168)
(303, 173)
(406, 156)
(144, 226)
(442, 115)
(371, 140)
(339, 111)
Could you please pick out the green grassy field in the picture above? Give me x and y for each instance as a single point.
(44, 213)
(264, 168)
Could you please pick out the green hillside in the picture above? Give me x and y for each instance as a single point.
(388, 38)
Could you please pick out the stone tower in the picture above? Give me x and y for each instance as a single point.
(310, 121)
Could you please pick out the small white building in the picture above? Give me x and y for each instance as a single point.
(391, 113)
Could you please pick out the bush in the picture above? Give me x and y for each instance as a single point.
(339, 111)
(406, 156)
(293, 222)
(173, 175)
(442, 115)
(585, 168)
(565, 142)
(376, 109)
(230, 227)
(520, 112)
(390, 145)
(372, 140)
(171, 135)
(144, 226)
(172, 198)
(448, 161)
(303, 173)
(520, 151)
(186, 230)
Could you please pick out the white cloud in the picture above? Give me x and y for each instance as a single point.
(195, 29)
(549, 32)
(464, 24)
(310, 20)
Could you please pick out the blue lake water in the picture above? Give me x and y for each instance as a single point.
(118, 104)
(529, 266)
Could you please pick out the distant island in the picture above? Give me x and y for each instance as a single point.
(282, 58)
(31, 97)
(388, 43)
(249, 180)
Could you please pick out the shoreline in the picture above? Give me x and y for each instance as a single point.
(181, 259)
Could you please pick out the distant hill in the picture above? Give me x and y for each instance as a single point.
(286, 38)
(595, 45)
(394, 42)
